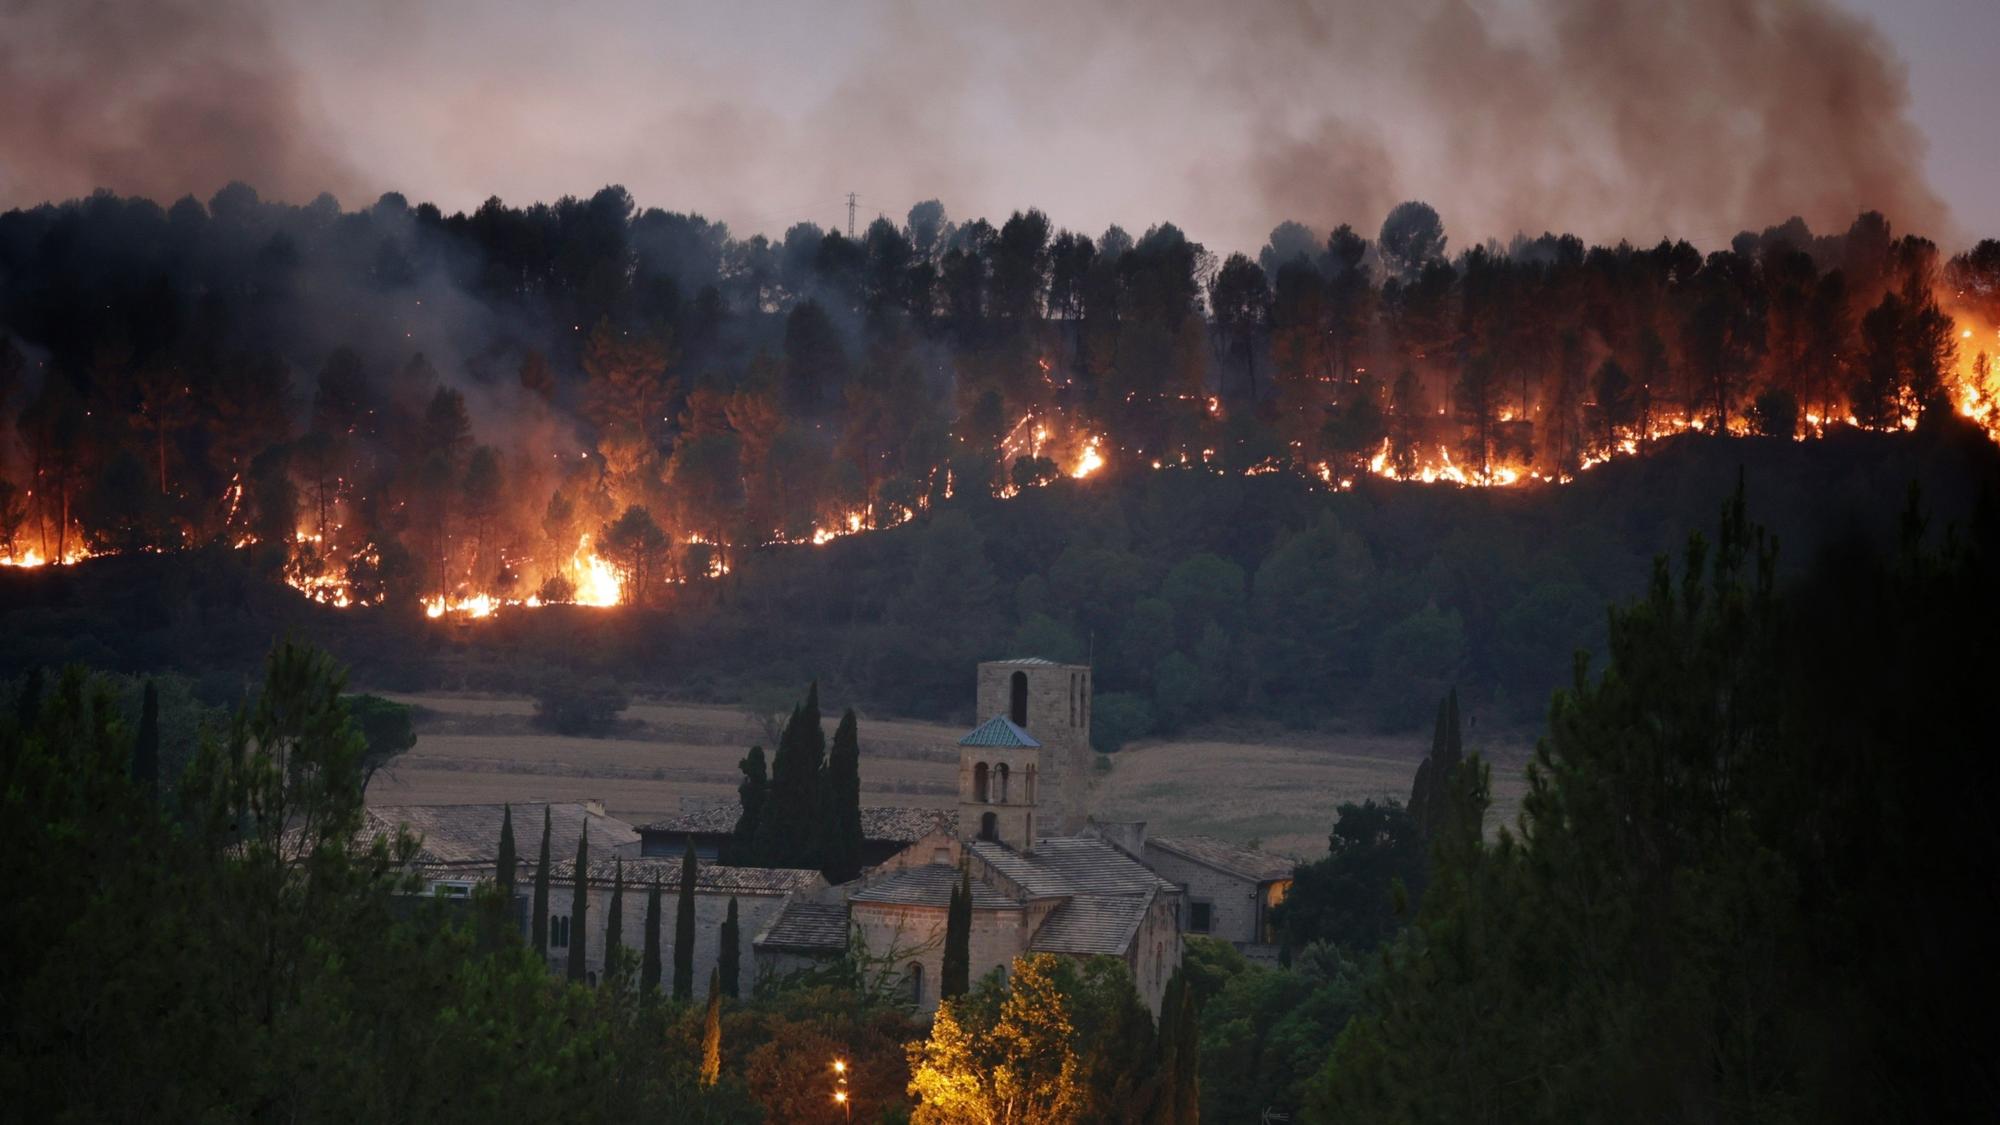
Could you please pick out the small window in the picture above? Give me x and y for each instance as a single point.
(559, 933)
(1017, 700)
(917, 983)
(979, 790)
(451, 890)
(1200, 917)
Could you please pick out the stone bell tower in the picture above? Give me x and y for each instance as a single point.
(1024, 771)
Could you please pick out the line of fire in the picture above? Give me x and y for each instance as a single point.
(632, 399)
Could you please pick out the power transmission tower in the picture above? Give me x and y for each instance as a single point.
(850, 214)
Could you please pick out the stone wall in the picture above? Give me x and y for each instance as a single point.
(754, 911)
(1235, 903)
(915, 934)
(1156, 951)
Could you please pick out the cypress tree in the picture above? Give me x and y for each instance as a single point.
(579, 903)
(711, 1033)
(840, 855)
(955, 975)
(729, 953)
(540, 921)
(751, 794)
(1178, 1101)
(684, 929)
(614, 917)
(1430, 797)
(649, 966)
(503, 873)
(786, 826)
(146, 751)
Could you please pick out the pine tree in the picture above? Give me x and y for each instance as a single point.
(503, 873)
(955, 975)
(752, 793)
(711, 1034)
(540, 921)
(614, 917)
(579, 903)
(146, 751)
(728, 958)
(649, 965)
(684, 929)
(840, 851)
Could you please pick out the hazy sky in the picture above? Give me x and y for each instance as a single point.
(1952, 49)
(1611, 118)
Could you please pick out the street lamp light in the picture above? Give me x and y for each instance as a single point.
(840, 1088)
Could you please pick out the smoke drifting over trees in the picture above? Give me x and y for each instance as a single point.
(1614, 119)
(161, 97)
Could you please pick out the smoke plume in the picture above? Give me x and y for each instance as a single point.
(161, 98)
(1608, 118)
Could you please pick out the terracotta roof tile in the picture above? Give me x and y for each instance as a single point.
(811, 926)
(1092, 924)
(469, 835)
(710, 878)
(929, 885)
(894, 823)
(1248, 863)
(1069, 865)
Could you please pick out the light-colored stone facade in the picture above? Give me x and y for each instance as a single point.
(1052, 703)
(755, 908)
(1237, 908)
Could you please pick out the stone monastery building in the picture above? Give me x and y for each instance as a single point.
(1045, 877)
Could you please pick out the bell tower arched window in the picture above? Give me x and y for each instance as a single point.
(1000, 783)
(1017, 699)
(979, 784)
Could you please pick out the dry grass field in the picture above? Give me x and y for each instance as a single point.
(1281, 793)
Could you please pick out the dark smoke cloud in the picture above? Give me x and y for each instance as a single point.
(1613, 118)
(161, 98)
(1609, 118)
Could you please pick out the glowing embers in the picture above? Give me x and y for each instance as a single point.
(1976, 393)
(1088, 461)
(593, 581)
(1441, 468)
(30, 557)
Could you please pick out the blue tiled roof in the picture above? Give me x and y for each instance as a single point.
(999, 731)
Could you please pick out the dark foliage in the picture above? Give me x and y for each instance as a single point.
(587, 705)
(1733, 895)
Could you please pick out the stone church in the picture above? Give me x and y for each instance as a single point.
(1045, 877)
